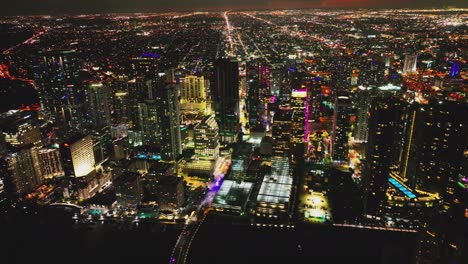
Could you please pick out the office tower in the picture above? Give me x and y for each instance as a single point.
(20, 128)
(135, 138)
(281, 132)
(77, 156)
(50, 163)
(101, 146)
(166, 191)
(139, 90)
(119, 131)
(99, 104)
(56, 74)
(433, 148)
(255, 105)
(315, 98)
(144, 65)
(410, 63)
(300, 121)
(21, 170)
(168, 113)
(128, 189)
(341, 128)
(120, 107)
(192, 94)
(362, 104)
(193, 88)
(342, 71)
(293, 78)
(264, 79)
(206, 139)
(226, 98)
(146, 122)
(385, 115)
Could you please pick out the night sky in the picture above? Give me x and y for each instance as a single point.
(18, 7)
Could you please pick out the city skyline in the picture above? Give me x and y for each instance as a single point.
(274, 135)
(57, 7)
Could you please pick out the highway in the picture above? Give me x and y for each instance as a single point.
(196, 219)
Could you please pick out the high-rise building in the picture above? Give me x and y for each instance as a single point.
(192, 94)
(78, 156)
(127, 189)
(20, 128)
(315, 98)
(146, 121)
(99, 103)
(362, 104)
(193, 88)
(120, 107)
(167, 100)
(385, 115)
(56, 74)
(281, 132)
(226, 98)
(143, 66)
(433, 148)
(50, 163)
(300, 121)
(21, 170)
(206, 139)
(341, 128)
(166, 191)
(410, 63)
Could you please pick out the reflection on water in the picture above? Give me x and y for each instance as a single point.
(57, 239)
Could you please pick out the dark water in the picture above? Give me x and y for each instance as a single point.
(225, 243)
(56, 241)
(27, 240)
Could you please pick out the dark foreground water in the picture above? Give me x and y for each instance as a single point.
(55, 240)
(219, 242)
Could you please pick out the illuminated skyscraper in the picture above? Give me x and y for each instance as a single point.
(120, 107)
(20, 128)
(192, 94)
(144, 66)
(50, 163)
(21, 170)
(99, 103)
(56, 75)
(315, 99)
(281, 132)
(206, 138)
(433, 148)
(193, 88)
(300, 121)
(146, 121)
(341, 128)
(167, 101)
(385, 115)
(410, 63)
(78, 156)
(362, 104)
(226, 98)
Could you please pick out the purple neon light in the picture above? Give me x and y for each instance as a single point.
(273, 99)
(306, 121)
